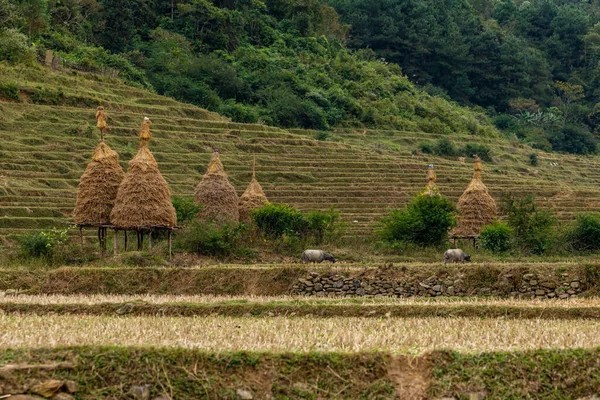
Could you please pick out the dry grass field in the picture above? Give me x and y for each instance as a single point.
(217, 334)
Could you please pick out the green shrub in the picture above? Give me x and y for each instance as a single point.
(533, 229)
(425, 221)
(275, 220)
(324, 225)
(186, 209)
(481, 150)
(9, 91)
(426, 148)
(44, 244)
(496, 237)
(533, 159)
(213, 240)
(445, 148)
(14, 47)
(322, 136)
(585, 234)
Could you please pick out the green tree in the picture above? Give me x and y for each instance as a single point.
(425, 221)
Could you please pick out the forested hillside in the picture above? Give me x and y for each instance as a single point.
(531, 68)
(532, 64)
(280, 62)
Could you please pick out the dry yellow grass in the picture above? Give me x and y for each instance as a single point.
(301, 334)
(210, 299)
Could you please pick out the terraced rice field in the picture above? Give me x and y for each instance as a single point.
(294, 356)
(47, 143)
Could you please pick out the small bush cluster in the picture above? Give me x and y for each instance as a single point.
(425, 221)
(496, 237)
(533, 229)
(44, 244)
(210, 239)
(282, 221)
(186, 209)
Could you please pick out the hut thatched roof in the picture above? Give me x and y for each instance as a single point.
(431, 189)
(144, 197)
(217, 196)
(476, 207)
(254, 197)
(98, 187)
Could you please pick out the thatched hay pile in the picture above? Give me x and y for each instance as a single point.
(98, 187)
(431, 189)
(254, 197)
(217, 196)
(477, 208)
(144, 198)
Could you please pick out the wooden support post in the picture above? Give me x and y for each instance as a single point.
(81, 236)
(104, 239)
(139, 240)
(150, 240)
(115, 244)
(125, 240)
(170, 234)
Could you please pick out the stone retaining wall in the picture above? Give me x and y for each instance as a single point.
(516, 285)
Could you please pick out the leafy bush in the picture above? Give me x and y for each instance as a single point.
(426, 148)
(445, 148)
(44, 244)
(496, 237)
(573, 138)
(533, 229)
(9, 91)
(323, 225)
(186, 209)
(425, 221)
(483, 151)
(585, 235)
(533, 159)
(14, 47)
(213, 240)
(275, 220)
(322, 136)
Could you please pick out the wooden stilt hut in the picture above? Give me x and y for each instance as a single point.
(254, 197)
(476, 207)
(143, 202)
(431, 189)
(98, 186)
(216, 195)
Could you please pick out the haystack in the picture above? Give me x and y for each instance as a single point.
(477, 208)
(431, 189)
(99, 183)
(144, 198)
(217, 196)
(253, 197)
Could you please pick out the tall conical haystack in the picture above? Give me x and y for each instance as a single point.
(217, 196)
(99, 183)
(431, 189)
(477, 208)
(144, 198)
(253, 197)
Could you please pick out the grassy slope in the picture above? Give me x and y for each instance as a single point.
(109, 372)
(48, 136)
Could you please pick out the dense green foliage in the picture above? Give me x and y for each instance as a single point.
(533, 229)
(585, 234)
(496, 237)
(214, 240)
(279, 62)
(277, 221)
(534, 64)
(186, 209)
(425, 221)
(44, 244)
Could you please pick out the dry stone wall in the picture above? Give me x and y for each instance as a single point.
(461, 283)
